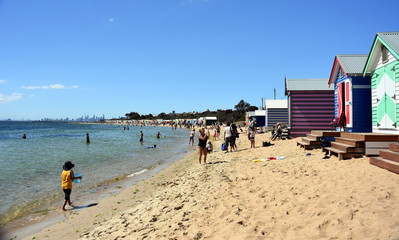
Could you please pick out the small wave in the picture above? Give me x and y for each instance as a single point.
(138, 173)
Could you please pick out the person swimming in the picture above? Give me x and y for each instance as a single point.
(154, 146)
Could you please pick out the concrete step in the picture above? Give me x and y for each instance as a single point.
(390, 155)
(385, 164)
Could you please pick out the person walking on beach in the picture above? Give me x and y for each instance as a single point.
(214, 136)
(252, 132)
(192, 134)
(141, 136)
(67, 176)
(234, 136)
(202, 140)
(227, 136)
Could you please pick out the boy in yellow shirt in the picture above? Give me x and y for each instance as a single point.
(67, 177)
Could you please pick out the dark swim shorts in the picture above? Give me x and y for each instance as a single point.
(67, 193)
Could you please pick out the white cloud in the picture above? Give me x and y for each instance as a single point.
(2, 81)
(53, 86)
(110, 20)
(10, 98)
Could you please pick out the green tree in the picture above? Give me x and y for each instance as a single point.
(252, 108)
(132, 115)
(242, 106)
(162, 115)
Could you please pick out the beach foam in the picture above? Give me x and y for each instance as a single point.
(137, 173)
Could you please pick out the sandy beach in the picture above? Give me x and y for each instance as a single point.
(233, 197)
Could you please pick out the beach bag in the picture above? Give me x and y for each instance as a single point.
(224, 147)
(266, 144)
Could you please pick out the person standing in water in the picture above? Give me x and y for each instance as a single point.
(87, 138)
(141, 136)
(192, 134)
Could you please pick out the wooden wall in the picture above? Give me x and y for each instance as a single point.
(276, 115)
(310, 110)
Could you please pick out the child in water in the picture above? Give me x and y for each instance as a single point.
(67, 177)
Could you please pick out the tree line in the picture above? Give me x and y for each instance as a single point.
(227, 115)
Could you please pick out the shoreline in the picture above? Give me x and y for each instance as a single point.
(236, 196)
(46, 201)
(25, 226)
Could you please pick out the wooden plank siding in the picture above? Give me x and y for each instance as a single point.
(276, 115)
(310, 110)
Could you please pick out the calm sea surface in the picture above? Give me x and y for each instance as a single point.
(31, 168)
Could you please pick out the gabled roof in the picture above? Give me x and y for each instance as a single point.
(305, 84)
(353, 64)
(390, 40)
(350, 64)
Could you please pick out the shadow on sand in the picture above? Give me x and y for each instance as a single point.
(86, 206)
(217, 162)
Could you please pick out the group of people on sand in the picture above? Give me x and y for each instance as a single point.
(230, 135)
(204, 147)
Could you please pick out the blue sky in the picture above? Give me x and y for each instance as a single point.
(66, 58)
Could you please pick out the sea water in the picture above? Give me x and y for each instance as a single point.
(30, 168)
